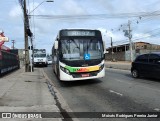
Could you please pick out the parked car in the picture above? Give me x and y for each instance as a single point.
(49, 61)
(147, 65)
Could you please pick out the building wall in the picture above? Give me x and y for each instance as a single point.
(153, 47)
(141, 45)
(120, 56)
(125, 56)
(21, 56)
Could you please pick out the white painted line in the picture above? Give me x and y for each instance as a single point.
(116, 92)
(157, 109)
(136, 83)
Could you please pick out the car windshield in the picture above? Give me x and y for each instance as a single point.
(39, 55)
(81, 49)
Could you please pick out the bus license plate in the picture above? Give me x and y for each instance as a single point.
(85, 75)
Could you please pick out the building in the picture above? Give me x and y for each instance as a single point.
(122, 52)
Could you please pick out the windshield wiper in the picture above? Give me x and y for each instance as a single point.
(88, 44)
(75, 43)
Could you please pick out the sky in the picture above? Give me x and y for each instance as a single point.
(111, 17)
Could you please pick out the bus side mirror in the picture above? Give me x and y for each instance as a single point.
(56, 45)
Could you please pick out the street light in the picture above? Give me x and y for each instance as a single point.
(40, 4)
(13, 41)
(27, 31)
(32, 35)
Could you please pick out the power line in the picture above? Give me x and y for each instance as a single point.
(126, 40)
(118, 15)
(139, 20)
(153, 35)
(133, 40)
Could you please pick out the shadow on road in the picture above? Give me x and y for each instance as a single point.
(149, 79)
(79, 83)
(40, 66)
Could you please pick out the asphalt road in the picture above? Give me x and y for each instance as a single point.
(117, 92)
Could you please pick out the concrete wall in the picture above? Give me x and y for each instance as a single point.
(125, 56)
(21, 56)
(120, 56)
(135, 54)
(128, 55)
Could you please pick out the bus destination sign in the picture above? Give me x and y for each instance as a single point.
(78, 33)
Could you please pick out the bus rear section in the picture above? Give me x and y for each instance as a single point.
(79, 55)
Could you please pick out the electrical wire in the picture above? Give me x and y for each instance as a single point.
(98, 16)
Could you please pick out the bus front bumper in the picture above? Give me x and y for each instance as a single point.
(67, 77)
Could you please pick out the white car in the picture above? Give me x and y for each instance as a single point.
(49, 61)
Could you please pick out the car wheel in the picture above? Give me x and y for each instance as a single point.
(135, 73)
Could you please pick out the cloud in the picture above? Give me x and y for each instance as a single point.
(15, 12)
(106, 4)
(146, 38)
(46, 29)
(140, 35)
(117, 38)
(72, 8)
(109, 34)
(40, 8)
(127, 6)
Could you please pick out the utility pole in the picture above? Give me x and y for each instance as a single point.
(130, 41)
(13, 41)
(26, 38)
(112, 48)
(32, 61)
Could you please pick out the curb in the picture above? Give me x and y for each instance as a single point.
(60, 102)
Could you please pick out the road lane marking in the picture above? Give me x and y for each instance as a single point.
(157, 109)
(116, 92)
(136, 83)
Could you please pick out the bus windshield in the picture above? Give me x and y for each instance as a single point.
(81, 49)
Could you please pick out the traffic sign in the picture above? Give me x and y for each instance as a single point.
(5, 39)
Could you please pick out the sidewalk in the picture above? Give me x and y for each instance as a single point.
(27, 92)
(124, 65)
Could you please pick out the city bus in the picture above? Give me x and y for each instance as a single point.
(78, 54)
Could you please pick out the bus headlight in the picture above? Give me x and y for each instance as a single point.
(64, 70)
(101, 67)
